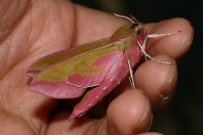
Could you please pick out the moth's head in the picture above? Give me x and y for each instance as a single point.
(141, 32)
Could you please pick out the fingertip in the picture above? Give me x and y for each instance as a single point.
(129, 113)
(157, 80)
(175, 45)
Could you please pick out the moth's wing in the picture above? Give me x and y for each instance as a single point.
(90, 69)
(52, 59)
(49, 73)
(58, 90)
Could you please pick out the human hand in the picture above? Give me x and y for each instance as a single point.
(32, 29)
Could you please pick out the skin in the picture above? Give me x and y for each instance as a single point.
(32, 29)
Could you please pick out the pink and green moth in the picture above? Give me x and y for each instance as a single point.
(92, 70)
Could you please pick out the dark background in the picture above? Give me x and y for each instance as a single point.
(184, 116)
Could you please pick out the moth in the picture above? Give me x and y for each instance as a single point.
(93, 70)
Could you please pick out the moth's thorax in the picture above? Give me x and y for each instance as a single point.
(123, 33)
(130, 34)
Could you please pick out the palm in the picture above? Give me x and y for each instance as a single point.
(44, 28)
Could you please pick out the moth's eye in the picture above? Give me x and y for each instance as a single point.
(141, 32)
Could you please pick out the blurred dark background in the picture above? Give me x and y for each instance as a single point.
(184, 116)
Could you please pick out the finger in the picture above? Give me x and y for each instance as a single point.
(96, 28)
(175, 45)
(129, 113)
(157, 80)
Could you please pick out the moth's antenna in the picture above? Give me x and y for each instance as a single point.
(130, 18)
(136, 22)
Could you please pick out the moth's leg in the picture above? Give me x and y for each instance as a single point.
(157, 36)
(150, 57)
(131, 78)
(143, 45)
